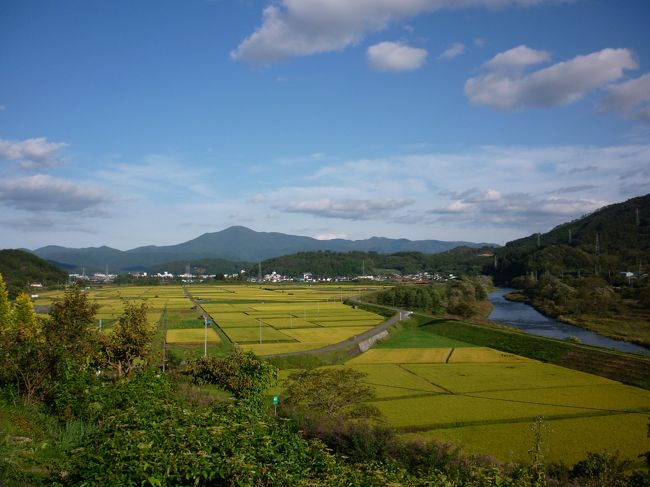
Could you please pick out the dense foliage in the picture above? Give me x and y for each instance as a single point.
(21, 268)
(458, 297)
(612, 240)
(240, 373)
(129, 341)
(461, 260)
(326, 395)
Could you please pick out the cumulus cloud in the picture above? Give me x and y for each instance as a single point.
(32, 153)
(485, 208)
(631, 98)
(346, 209)
(293, 28)
(455, 50)
(506, 86)
(518, 57)
(45, 193)
(395, 56)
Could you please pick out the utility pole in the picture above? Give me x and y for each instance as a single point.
(570, 239)
(538, 236)
(205, 337)
(164, 344)
(259, 320)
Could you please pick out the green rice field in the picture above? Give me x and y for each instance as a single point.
(487, 401)
(266, 319)
(283, 319)
(192, 335)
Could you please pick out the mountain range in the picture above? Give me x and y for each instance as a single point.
(235, 243)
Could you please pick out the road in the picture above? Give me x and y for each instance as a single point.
(353, 342)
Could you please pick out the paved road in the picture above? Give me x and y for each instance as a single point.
(355, 340)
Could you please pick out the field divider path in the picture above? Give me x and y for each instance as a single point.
(571, 406)
(206, 316)
(451, 352)
(426, 380)
(523, 419)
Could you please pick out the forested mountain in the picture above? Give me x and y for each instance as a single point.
(461, 260)
(20, 268)
(235, 244)
(611, 240)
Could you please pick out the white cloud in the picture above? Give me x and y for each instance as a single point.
(157, 174)
(346, 209)
(527, 210)
(395, 56)
(42, 193)
(32, 153)
(517, 57)
(293, 28)
(455, 50)
(505, 86)
(331, 236)
(631, 98)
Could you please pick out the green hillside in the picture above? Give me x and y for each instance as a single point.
(591, 272)
(20, 268)
(461, 260)
(611, 240)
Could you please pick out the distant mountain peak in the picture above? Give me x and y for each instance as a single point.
(235, 243)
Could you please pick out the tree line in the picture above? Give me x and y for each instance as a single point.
(458, 296)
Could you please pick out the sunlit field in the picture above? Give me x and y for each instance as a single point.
(268, 319)
(282, 319)
(487, 401)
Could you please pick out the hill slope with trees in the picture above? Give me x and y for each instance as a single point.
(591, 272)
(21, 268)
(461, 260)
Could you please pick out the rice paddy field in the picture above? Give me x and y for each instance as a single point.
(282, 319)
(265, 319)
(487, 401)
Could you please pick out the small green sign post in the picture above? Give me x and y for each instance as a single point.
(276, 401)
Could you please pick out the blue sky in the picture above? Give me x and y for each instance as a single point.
(131, 123)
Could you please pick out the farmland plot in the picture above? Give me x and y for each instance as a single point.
(290, 318)
(487, 401)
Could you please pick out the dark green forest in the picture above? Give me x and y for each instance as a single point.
(21, 268)
(611, 240)
(461, 260)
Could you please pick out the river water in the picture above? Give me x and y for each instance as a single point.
(529, 320)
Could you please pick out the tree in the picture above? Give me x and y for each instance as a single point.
(241, 373)
(333, 394)
(129, 341)
(23, 355)
(5, 310)
(24, 320)
(71, 329)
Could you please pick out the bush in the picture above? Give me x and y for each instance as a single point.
(241, 373)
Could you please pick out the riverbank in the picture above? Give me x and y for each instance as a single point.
(631, 326)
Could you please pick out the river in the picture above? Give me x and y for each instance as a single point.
(529, 320)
